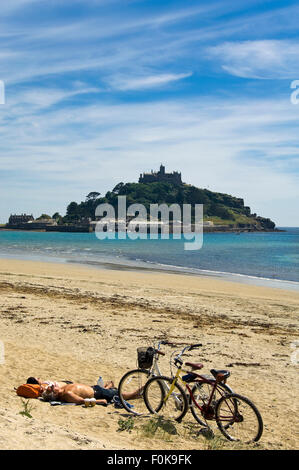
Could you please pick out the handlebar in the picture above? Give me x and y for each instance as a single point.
(167, 343)
(190, 347)
(159, 352)
(194, 346)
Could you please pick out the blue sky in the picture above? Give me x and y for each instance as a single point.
(98, 91)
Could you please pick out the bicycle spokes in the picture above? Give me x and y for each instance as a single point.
(238, 418)
(133, 381)
(160, 399)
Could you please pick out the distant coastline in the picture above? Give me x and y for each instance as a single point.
(91, 228)
(163, 197)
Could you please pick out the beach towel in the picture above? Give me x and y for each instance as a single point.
(115, 401)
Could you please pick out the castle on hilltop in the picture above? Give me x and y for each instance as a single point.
(161, 175)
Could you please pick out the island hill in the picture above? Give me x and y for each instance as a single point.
(222, 212)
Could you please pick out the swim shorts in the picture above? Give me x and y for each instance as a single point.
(101, 393)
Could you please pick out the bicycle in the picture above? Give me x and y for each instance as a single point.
(236, 416)
(136, 379)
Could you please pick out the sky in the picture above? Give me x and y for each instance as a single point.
(94, 92)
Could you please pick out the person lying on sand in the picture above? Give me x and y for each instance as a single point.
(46, 383)
(79, 393)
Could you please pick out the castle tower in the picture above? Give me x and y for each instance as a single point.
(161, 175)
(162, 169)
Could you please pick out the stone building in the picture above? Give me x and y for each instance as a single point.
(161, 175)
(15, 219)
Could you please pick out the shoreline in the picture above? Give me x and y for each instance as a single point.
(205, 230)
(124, 272)
(201, 273)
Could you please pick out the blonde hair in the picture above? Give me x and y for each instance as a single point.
(49, 394)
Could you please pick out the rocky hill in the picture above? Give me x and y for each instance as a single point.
(221, 209)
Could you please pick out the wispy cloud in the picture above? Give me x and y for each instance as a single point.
(267, 59)
(9, 7)
(246, 148)
(152, 81)
(40, 98)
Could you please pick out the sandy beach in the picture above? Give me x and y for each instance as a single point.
(60, 321)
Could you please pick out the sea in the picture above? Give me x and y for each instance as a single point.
(259, 258)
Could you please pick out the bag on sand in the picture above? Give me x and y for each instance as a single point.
(29, 391)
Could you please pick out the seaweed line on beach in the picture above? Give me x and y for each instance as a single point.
(197, 318)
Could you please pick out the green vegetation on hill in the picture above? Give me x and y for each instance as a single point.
(222, 209)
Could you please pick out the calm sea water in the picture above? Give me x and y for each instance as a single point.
(258, 258)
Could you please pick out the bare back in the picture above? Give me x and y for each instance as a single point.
(83, 391)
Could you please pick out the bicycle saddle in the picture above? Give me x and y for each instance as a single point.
(194, 366)
(220, 374)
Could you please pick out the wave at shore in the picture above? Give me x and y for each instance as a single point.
(266, 259)
(158, 267)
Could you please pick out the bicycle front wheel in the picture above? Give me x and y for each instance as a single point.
(158, 400)
(132, 384)
(238, 418)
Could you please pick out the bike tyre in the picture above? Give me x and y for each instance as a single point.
(143, 373)
(159, 407)
(225, 429)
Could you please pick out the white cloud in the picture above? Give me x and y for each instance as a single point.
(45, 97)
(151, 81)
(246, 148)
(265, 59)
(13, 5)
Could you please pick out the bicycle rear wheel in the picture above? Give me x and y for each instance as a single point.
(201, 392)
(133, 381)
(238, 418)
(155, 393)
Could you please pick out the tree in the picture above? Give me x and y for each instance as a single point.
(223, 206)
(44, 216)
(118, 188)
(92, 196)
(72, 212)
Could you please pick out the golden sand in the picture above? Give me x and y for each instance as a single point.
(60, 321)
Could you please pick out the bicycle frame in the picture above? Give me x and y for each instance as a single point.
(155, 372)
(199, 379)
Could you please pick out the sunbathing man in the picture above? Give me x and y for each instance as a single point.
(79, 393)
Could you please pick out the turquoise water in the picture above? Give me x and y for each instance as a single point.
(255, 256)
